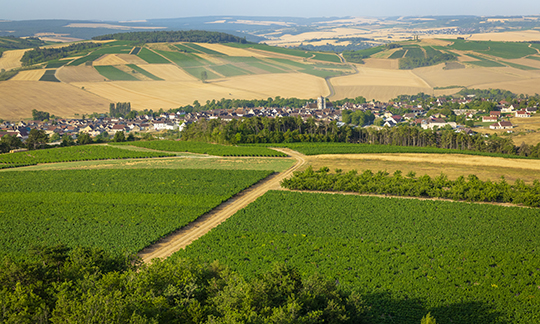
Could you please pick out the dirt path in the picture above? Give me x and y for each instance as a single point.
(184, 236)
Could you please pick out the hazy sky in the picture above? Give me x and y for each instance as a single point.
(147, 9)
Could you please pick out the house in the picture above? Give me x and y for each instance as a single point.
(507, 109)
(522, 114)
(495, 114)
(501, 125)
(489, 119)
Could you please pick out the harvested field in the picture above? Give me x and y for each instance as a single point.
(12, 59)
(79, 73)
(436, 76)
(60, 99)
(131, 59)
(168, 72)
(529, 86)
(453, 165)
(109, 59)
(381, 64)
(31, 75)
(379, 84)
(161, 94)
(518, 36)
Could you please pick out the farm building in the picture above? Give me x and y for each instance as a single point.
(501, 125)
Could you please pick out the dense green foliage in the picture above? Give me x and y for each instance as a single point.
(120, 109)
(115, 209)
(351, 148)
(75, 153)
(39, 55)
(464, 263)
(40, 115)
(6, 75)
(91, 286)
(290, 130)
(11, 42)
(357, 117)
(198, 36)
(206, 148)
(469, 189)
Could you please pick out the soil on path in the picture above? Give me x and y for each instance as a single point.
(185, 235)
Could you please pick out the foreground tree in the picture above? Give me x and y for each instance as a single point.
(37, 139)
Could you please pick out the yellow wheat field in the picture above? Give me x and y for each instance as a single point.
(168, 72)
(169, 94)
(109, 59)
(378, 84)
(31, 75)
(12, 59)
(230, 51)
(79, 73)
(131, 59)
(517, 36)
(20, 97)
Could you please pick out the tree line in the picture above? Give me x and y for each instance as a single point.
(469, 189)
(198, 36)
(290, 129)
(11, 42)
(38, 55)
(59, 284)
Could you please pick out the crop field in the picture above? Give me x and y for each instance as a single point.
(144, 72)
(203, 49)
(151, 57)
(49, 76)
(206, 148)
(326, 57)
(229, 70)
(505, 50)
(109, 59)
(114, 74)
(117, 210)
(72, 153)
(231, 51)
(519, 66)
(197, 72)
(464, 263)
(30, 75)
(181, 161)
(56, 64)
(184, 60)
(266, 67)
(415, 52)
(118, 49)
(20, 97)
(278, 50)
(381, 84)
(185, 48)
(78, 74)
(397, 54)
(167, 72)
(12, 59)
(483, 61)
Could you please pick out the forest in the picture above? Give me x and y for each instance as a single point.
(38, 55)
(196, 36)
(89, 285)
(290, 130)
(469, 189)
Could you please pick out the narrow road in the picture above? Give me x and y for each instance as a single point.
(185, 235)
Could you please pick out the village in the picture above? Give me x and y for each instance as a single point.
(321, 110)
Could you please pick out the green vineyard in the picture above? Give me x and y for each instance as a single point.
(464, 263)
(117, 210)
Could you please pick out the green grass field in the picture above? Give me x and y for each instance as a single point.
(464, 263)
(114, 74)
(56, 64)
(230, 70)
(507, 50)
(152, 57)
(267, 67)
(326, 57)
(534, 58)
(144, 72)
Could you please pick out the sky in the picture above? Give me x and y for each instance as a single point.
(118, 10)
